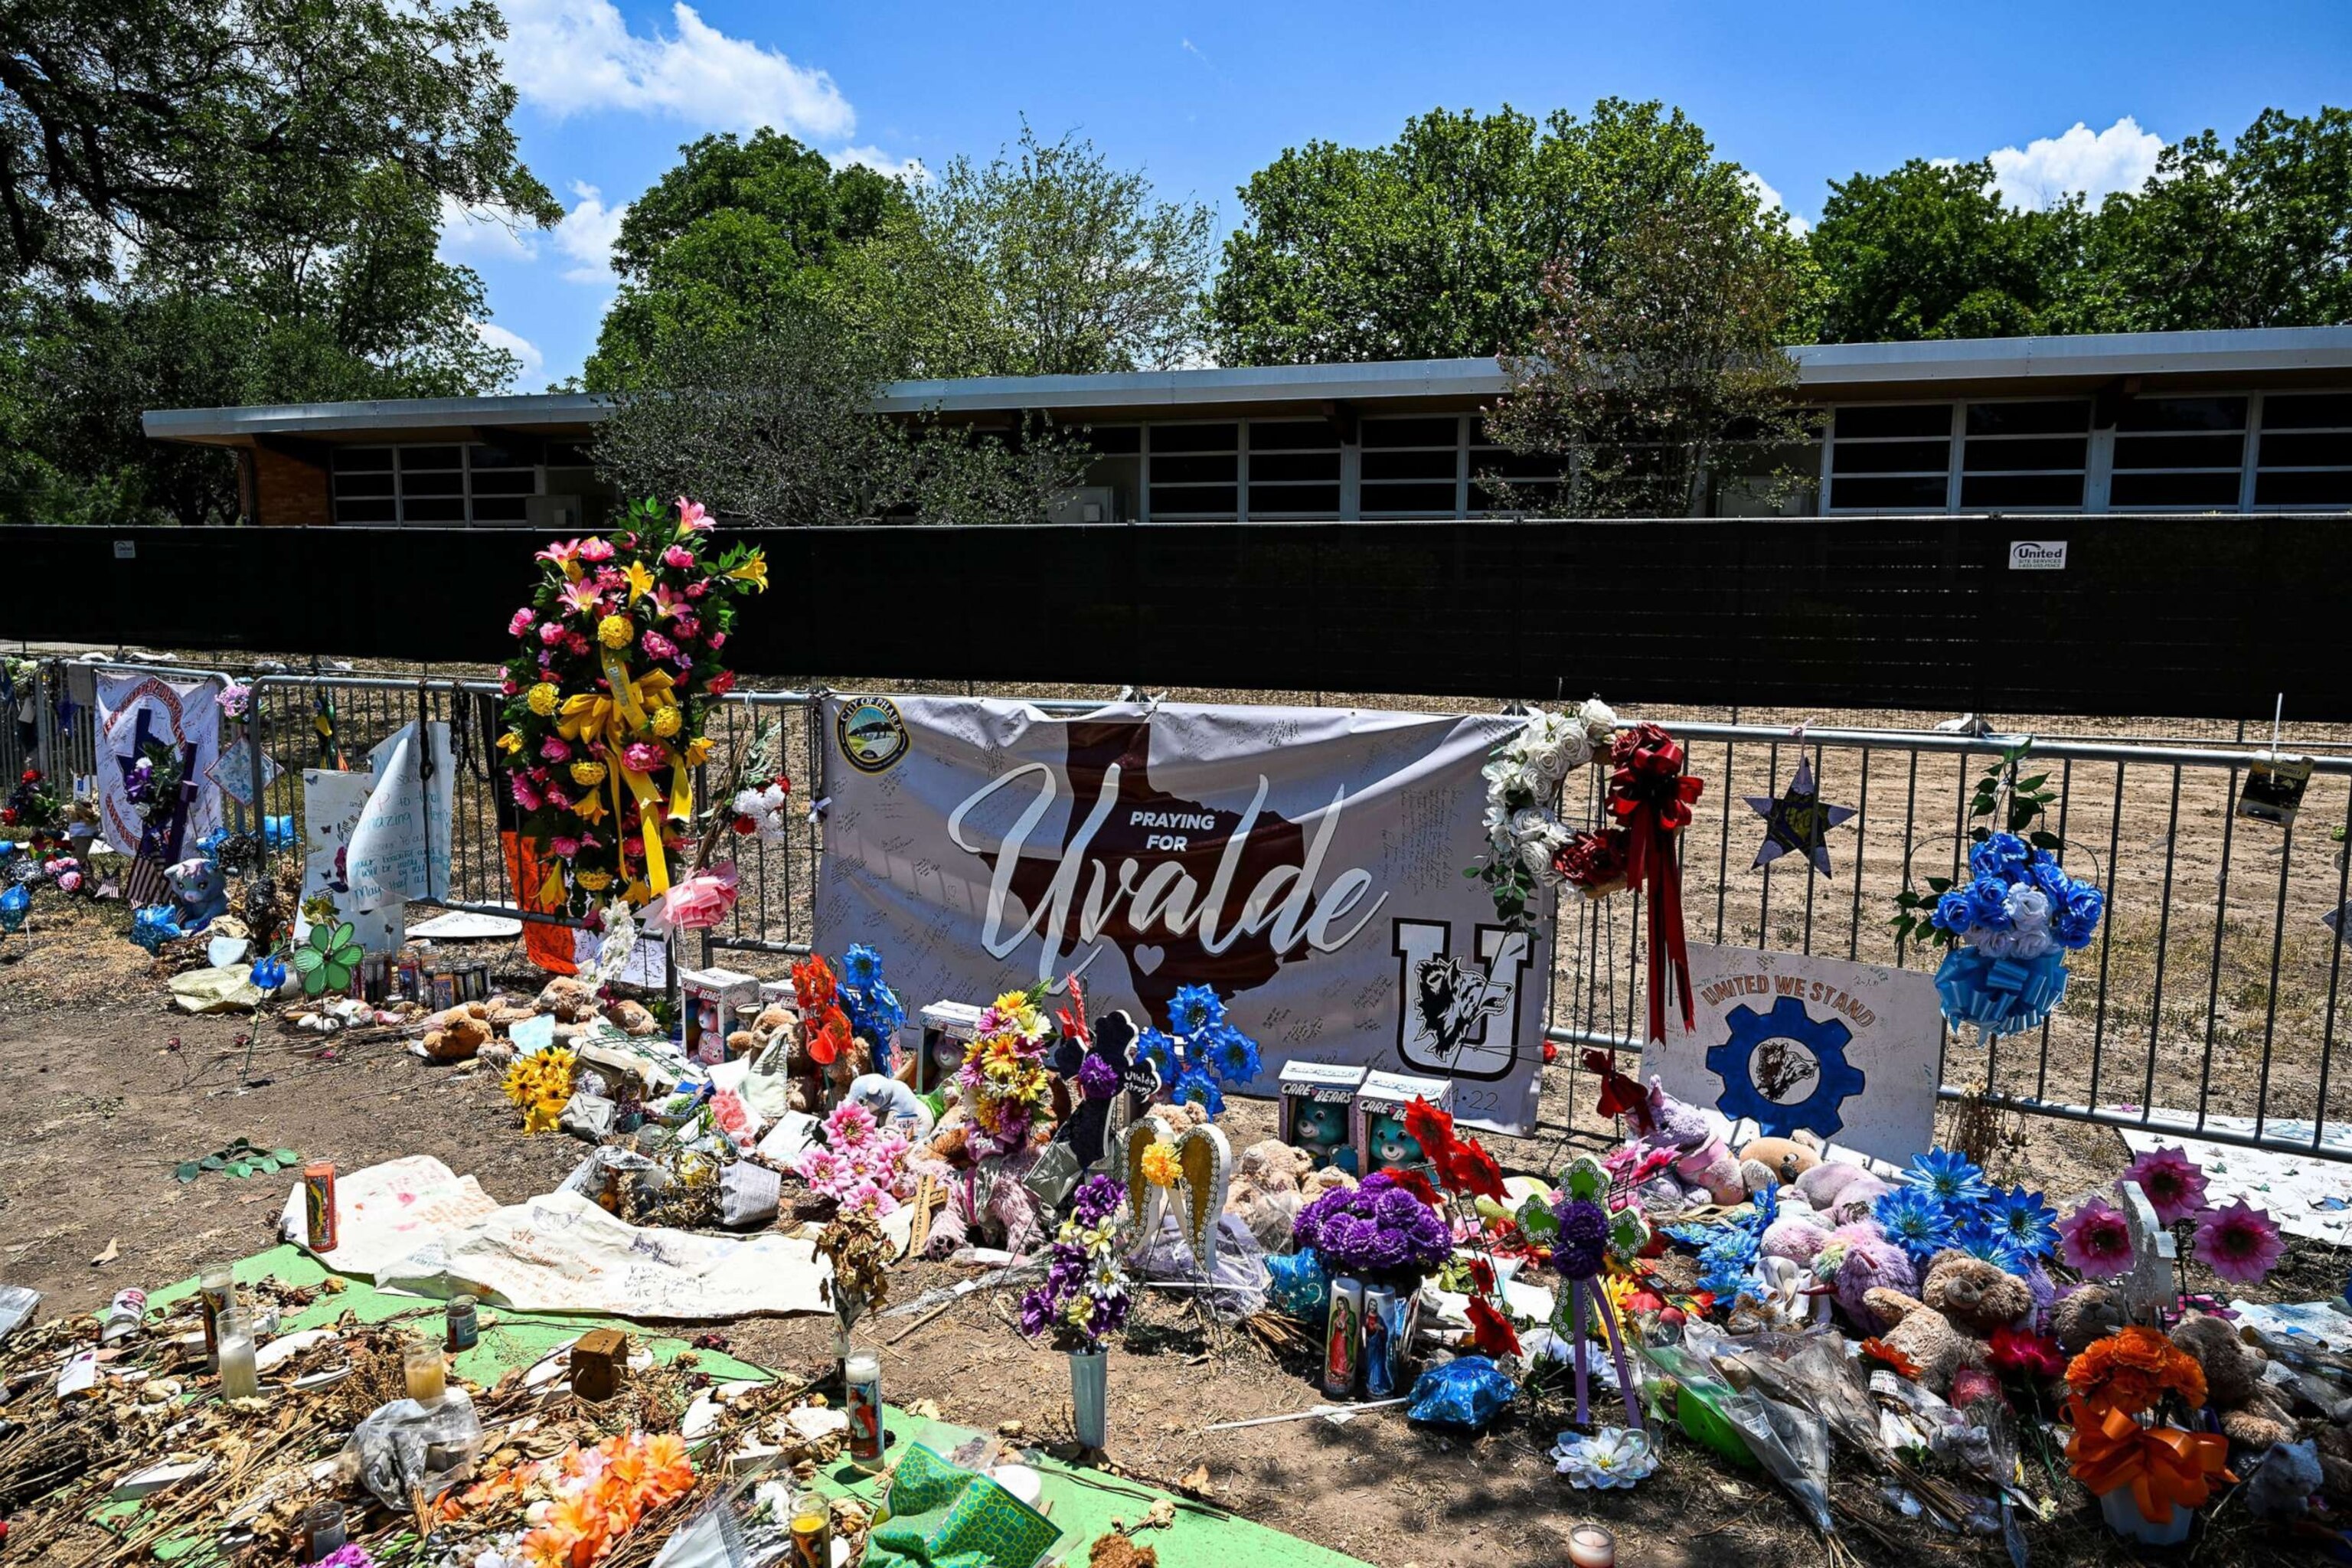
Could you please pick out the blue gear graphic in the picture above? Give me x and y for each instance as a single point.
(1834, 1081)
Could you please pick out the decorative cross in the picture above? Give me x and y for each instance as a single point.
(2149, 1289)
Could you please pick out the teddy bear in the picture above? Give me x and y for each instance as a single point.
(199, 891)
(1857, 1261)
(458, 1033)
(1265, 1191)
(1961, 1303)
(633, 1019)
(1845, 1192)
(1777, 1161)
(2250, 1411)
(980, 1203)
(1798, 1231)
(2084, 1315)
(571, 999)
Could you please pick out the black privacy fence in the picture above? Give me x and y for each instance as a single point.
(2150, 615)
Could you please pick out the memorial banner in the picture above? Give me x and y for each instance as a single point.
(1306, 863)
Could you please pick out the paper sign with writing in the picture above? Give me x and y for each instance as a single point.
(1786, 1041)
(399, 847)
(1305, 863)
(332, 805)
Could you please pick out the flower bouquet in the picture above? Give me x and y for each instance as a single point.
(1380, 1233)
(2013, 925)
(2147, 1474)
(1004, 1074)
(1202, 1054)
(862, 1165)
(607, 696)
(1084, 1300)
(1525, 836)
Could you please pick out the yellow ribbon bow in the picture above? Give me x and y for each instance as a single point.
(615, 719)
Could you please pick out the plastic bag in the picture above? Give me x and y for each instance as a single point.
(403, 1447)
(1790, 1443)
(1296, 1284)
(748, 1194)
(1236, 1288)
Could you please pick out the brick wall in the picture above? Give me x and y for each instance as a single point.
(291, 492)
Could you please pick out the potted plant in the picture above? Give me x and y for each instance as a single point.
(2148, 1474)
(1084, 1301)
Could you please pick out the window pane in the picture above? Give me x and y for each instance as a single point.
(1292, 466)
(1193, 501)
(1268, 501)
(2128, 490)
(363, 484)
(416, 459)
(1193, 438)
(2319, 488)
(2021, 489)
(499, 508)
(1434, 432)
(2182, 413)
(363, 459)
(2327, 450)
(2028, 418)
(452, 509)
(2058, 452)
(499, 458)
(1292, 435)
(1168, 470)
(431, 484)
(370, 510)
(1420, 499)
(1893, 495)
(506, 481)
(1891, 457)
(1407, 466)
(1869, 419)
(2307, 411)
(2179, 451)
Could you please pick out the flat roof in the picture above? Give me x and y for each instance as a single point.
(1962, 367)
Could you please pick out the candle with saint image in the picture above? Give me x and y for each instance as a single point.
(861, 1376)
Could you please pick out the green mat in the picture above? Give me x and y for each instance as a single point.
(1080, 1503)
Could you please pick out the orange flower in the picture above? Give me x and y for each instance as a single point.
(2131, 1369)
(672, 1471)
(1878, 1349)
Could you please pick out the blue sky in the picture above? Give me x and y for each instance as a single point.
(1201, 95)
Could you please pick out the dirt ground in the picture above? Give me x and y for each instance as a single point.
(110, 1090)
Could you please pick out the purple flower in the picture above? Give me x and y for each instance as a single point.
(1097, 1079)
(1099, 1199)
(1378, 1229)
(1583, 1238)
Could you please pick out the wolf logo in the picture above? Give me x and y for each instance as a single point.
(1459, 1013)
(1452, 999)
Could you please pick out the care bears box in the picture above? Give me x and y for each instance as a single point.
(710, 998)
(1379, 1117)
(948, 1029)
(1314, 1108)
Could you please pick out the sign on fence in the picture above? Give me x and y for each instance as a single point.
(1307, 863)
(1788, 1041)
(399, 847)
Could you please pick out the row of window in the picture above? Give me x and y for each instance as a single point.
(2201, 453)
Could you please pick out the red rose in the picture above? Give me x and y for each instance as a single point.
(744, 825)
(720, 684)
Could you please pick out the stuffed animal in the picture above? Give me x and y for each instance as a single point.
(891, 1101)
(458, 1033)
(199, 891)
(1265, 1191)
(633, 1019)
(1696, 1161)
(571, 999)
(986, 1207)
(2250, 1411)
(1962, 1300)
(2083, 1315)
(1320, 1128)
(1391, 1147)
(1797, 1233)
(1857, 1260)
(1778, 1161)
(1842, 1190)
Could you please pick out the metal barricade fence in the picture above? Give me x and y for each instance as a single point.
(2208, 1004)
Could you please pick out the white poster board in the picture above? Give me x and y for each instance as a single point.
(177, 713)
(399, 847)
(1786, 1040)
(332, 805)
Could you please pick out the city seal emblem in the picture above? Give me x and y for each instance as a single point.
(872, 736)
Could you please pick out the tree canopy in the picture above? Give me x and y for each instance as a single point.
(1932, 251)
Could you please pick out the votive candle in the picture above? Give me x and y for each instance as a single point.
(428, 1375)
(1589, 1546)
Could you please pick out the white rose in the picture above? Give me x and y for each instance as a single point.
(2029, 907)
(1529, 824)
(1600, 721)
(1536, 854)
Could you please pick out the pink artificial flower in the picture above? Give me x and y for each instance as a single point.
(507, 688)
(565, 846)
(520, 622)
(658, 646)
(2094, 1241)
(820, 1168)
(549, 633)
(730, 1115)
(668, 601)
(718, 641)
(2174, 1183)
(2238, 1242)
(691, 518)
(695, 590)
(609, 579)
(632, 846)
(580, 598)
(677, 558)
(576, 643)
(558, 799)
(561, 551)
(594, 550)
(525, 795)
(69, 880)
(555, 749)
(538, 777)
(641, 756)
(689, 627)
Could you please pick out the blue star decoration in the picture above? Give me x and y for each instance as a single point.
(1798, 822)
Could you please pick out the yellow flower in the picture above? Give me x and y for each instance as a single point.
(638, 893)
(615, 631)
(541, 1116)
(667, 719)
(594, 881)
(510, 742)
(590, 808)
(753, 570)
(696, 749)
(641, 582)
(544, 699)
(588, 775)
(1160, 1167)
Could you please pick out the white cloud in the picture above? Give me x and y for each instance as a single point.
(522, 348)
(587, 235)
(881, 163)
(573, 55)
(2095, 164)
(1769, 200)
(480, 232)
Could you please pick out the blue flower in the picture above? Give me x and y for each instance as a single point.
(1983, 1238)
(1196, 1009)
(2003, 855)
(1157, 1048)
(1198, 1087)
(1232, 1055)
(861, 966)
(1725, 1262)
(2046, 874)
(1953, 1180)
(1952, 911)
(2029, 1224)
(1988, 903)
(2075, 919)
(1913, 1220)
(268, 974)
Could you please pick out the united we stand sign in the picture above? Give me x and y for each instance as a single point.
(1304, 862)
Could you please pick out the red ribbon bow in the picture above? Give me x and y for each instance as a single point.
(1651, 796)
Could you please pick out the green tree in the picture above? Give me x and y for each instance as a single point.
(1438, 245)
(2255, 234)
(233, 201)
(1932, 251)
(776, 427)
(1660, 386)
